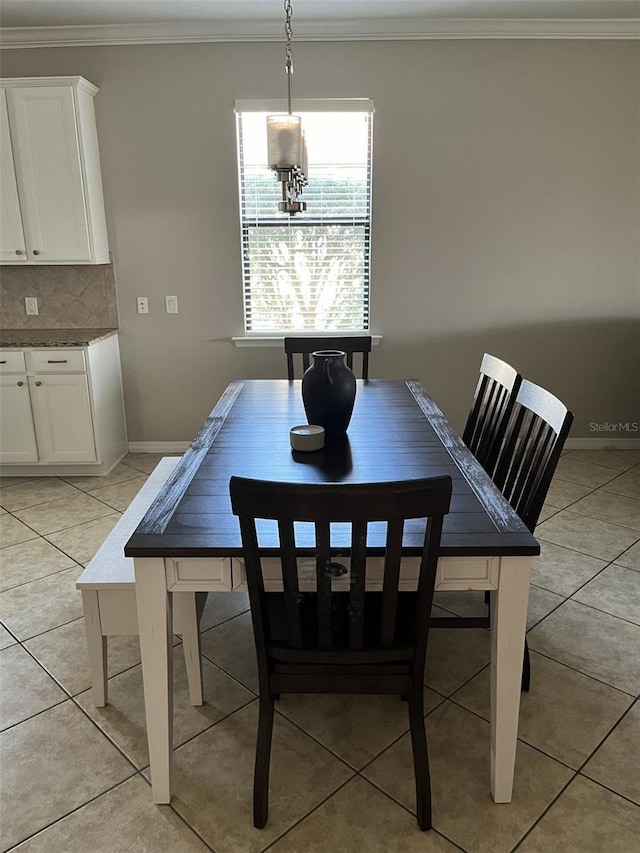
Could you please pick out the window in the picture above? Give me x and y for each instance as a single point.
(308, 272)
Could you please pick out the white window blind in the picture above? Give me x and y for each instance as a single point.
(308, 272)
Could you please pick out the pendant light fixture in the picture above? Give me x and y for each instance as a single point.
(287, 149)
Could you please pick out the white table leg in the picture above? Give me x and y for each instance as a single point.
(96, 646)
(508, 627)
(186, 613)
(155, 624)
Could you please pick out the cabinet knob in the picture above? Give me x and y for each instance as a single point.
(36, 252)
(38, 383)
(18, 251)
(19, 384)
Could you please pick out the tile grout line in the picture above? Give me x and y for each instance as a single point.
(577, 774)
(578, 589)
(607, 788)
(42, 633)
(609, 733)
(304, 817)
(539, 749)
(598, 609)
(43, 577)
(593, 491)
(211, 726)
(73, 811)
(626, 552)
(62, 529)
(64, 482)
(571, 505)
(544, 812)
(586, 674)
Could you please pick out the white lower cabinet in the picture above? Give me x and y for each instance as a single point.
(61, 410)
(17, 432)
(61, 407)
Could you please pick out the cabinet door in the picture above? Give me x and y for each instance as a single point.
(12, 245)
(62, 417)
(47, 157)
(17, 436)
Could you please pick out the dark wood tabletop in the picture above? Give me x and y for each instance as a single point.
(396, 433)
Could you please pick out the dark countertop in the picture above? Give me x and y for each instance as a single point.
(52, 337)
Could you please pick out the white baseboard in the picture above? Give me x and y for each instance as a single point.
(158, 446)
(600, 443)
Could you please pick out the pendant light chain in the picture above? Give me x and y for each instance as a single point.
(288, 11)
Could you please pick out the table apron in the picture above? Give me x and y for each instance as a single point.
(226, 574)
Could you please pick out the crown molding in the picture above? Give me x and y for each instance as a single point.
(373, 29)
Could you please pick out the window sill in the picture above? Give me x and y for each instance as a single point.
(278, 340)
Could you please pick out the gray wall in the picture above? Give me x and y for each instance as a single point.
(505, 212)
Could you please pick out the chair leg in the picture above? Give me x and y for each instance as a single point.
(263, 757)
(526, 669)
(420, 758)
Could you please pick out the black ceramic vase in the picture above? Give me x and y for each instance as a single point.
(329, 391)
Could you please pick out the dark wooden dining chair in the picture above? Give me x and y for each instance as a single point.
(533, 440)
(349, 345)
(341, 642)
(492, 404)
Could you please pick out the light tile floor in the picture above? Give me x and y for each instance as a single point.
(74, 777)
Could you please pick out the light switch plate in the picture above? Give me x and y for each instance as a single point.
(31, 305)
(142, 304)
(171, 304)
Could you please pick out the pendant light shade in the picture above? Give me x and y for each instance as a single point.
(284, 141)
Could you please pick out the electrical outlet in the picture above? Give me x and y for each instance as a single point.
(31, 304)
(142, 303)
(171, 304)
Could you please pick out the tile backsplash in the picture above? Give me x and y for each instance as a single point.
(69, 297)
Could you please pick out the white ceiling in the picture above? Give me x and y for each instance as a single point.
(104, 21)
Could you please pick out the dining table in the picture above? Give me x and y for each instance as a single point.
(189, 540)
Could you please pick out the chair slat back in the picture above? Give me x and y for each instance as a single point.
(305, 346)
(357, 592)
(290, 581)
(316, 628)
(533, 441)
(493, 401)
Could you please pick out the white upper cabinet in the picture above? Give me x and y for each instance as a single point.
(12, 242)
(52, 205)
